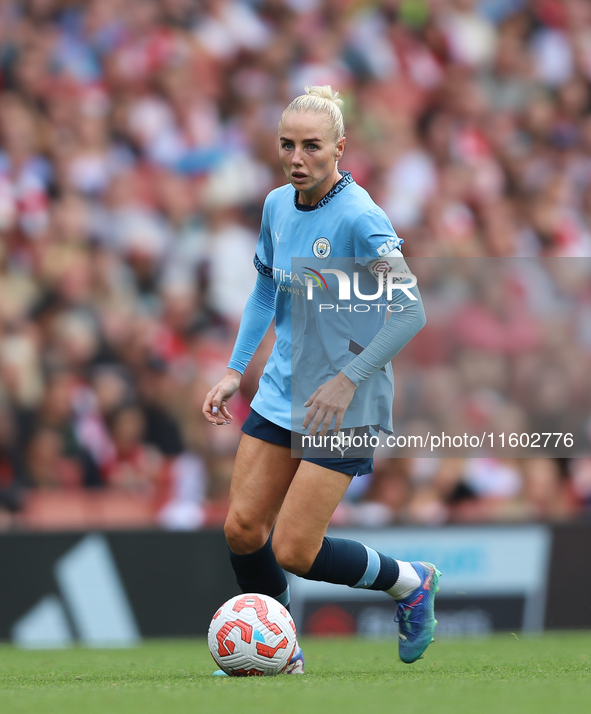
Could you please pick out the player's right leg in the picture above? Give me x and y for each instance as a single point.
(262, 474)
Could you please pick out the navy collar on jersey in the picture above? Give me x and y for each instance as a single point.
(337, 188)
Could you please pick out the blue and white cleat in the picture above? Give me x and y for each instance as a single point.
(416, 614)
(296, 663)
(219, 673)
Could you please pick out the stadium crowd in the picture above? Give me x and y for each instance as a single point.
(137, 143)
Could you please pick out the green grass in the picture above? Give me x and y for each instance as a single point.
(500, 675)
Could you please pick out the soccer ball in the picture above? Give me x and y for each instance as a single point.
(252, 635)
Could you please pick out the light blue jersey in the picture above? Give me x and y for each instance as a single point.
(346, 223)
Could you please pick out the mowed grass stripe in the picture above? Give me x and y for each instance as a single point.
(498, 675)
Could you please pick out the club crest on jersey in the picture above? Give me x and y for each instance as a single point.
(321, 248)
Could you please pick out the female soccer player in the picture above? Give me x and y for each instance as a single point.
(280, 506)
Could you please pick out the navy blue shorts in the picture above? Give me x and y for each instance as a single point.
(261, 428)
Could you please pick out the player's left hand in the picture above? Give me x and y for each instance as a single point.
(330, 399)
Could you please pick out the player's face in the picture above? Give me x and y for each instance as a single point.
(309, 155)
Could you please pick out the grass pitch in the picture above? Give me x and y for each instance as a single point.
(500, 675)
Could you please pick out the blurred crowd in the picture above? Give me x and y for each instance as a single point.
(506, 350)
(137, 144)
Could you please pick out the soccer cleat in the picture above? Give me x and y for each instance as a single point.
(296, 663)
(416, 615)
(219, 673)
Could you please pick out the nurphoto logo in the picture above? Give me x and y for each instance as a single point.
(388, 281)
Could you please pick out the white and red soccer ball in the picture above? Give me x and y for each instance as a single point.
(252, 635)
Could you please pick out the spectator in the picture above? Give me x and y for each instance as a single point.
(134, 466)
(12, 473)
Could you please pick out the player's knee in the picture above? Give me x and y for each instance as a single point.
(294, 559)
(243, 536)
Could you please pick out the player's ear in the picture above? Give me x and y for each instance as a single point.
(340, 148)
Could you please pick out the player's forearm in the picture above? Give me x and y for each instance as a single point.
(391, 338)
(258, 315)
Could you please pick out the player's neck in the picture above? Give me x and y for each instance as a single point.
(312, 197)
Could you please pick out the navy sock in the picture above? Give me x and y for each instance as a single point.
(259, 572)
(347, 562)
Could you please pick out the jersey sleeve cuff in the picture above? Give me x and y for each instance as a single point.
(350, 372)
(238, 366)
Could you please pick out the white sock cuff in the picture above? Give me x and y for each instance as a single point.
(408, 581)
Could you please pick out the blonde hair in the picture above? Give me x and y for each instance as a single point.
(320, 100)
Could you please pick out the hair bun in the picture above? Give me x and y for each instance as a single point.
(325, 92)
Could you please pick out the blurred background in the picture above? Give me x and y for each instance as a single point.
(137, 145)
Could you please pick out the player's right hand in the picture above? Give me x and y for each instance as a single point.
(214, 406)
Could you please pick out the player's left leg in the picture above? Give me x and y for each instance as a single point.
(299, 539)
(301, 547)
